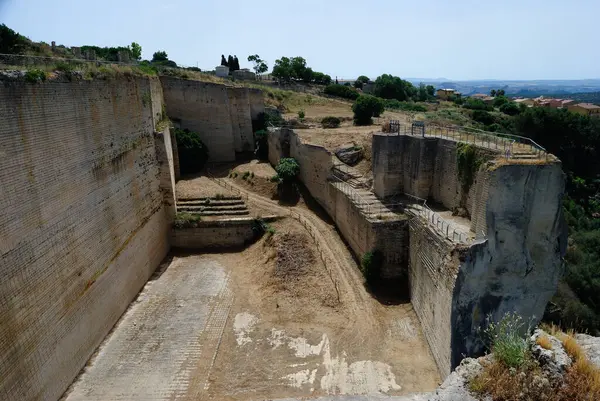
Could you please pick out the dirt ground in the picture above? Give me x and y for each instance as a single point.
(198, 186)
(272, 321)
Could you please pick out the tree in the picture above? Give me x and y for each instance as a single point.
(260, 67)
(500, 92)
(307, 75)
(321, 79)
(282, 69)
(499, 100)
(361, 81)
(230, 63)
(365, 107)
(493, 93)
(422, 95)
(11, 42)
(160, 55)
(430, 90)
(136, 51)
(236, 64)
(510, 108)
(298, 65)
(193, 153)
(391, 87)
(224, 61)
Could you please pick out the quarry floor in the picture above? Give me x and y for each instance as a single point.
(277, 320)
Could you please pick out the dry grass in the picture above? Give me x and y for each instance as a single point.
(581, 381)
(544, 342)
(502, 384)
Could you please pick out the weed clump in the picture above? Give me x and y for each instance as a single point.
(186, 220)
(34, 76)
(330, 122)
(370, 266)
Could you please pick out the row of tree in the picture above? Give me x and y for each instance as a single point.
(289, 69)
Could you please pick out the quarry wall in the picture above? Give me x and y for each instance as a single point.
(517, 268)
(515, 208)
(84, 221)
(432, 273)
(214, 234)
(427, 168)
(221, 115)
(362, 233)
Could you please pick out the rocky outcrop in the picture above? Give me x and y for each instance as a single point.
(591, 346)
(349, 153)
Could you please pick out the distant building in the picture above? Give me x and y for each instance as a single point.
(244, 75)
(568, 102)
(445, 94)
(526, 101)
(586, 109)
(483, 97)
(222, 71)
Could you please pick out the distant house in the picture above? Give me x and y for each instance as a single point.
(445, 94)
(586, 109)
(483, 97)
(568, 102)
(526, 101)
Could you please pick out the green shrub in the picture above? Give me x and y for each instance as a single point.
(477, 104)
(394, 104)
(370, 266)
(500, 100)
(510, 108)
(330, 122)
(366, 107)
(35, 75)
(64, 67)
(483, 117)
(468, 164)
(186, 220)
(260, 227)
(193, 153)
(301, 114)
(342, 91)
(287, 169)
(245, 175)
(507, 339)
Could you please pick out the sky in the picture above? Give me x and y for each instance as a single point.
(454, 39)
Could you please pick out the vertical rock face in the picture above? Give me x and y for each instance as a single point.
(516, 269)
(83, 222)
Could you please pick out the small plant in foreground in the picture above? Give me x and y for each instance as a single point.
(35, 75)
(507, 339)
(186, 220)
(544, 342)
(287, 169)
(301, 114)
(370, 265)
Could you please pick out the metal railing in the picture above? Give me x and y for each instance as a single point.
(437, 221)
(508, 144)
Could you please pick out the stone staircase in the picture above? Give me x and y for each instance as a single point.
(351, 176)
(524, 154)
(366, 201)
(214, 206)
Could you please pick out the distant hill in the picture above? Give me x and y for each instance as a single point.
(532, 88)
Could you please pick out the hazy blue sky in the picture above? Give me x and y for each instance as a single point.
(456, 39)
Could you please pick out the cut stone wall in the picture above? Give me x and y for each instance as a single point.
(214, 235)
(432, 273)
(361, 233)
(517, 268)
(257, 102)
(82, 222)
(220, 114)
(241, 121)
(422, 167)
